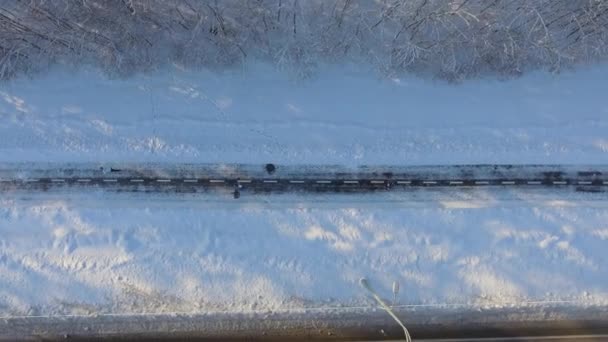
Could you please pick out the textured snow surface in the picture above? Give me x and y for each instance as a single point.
(89, 254)
(342, 116)
(58, 257)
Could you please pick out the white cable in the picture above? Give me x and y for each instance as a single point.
(363, 282)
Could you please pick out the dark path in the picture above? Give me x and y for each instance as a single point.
(265, 179)
(507, 324)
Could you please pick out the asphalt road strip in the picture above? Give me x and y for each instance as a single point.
(165, 178)
(345, 324)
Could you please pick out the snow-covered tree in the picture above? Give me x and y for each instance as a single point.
(451, 39)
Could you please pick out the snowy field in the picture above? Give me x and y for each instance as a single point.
(85, 256)
(341, 116)
(88, 254)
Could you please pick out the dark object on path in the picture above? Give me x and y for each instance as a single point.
(270, 168)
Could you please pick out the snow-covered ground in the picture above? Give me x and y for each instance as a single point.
(94, 255)
(74, 257)
(341, 116)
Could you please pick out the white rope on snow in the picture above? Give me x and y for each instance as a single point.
(365, 284)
